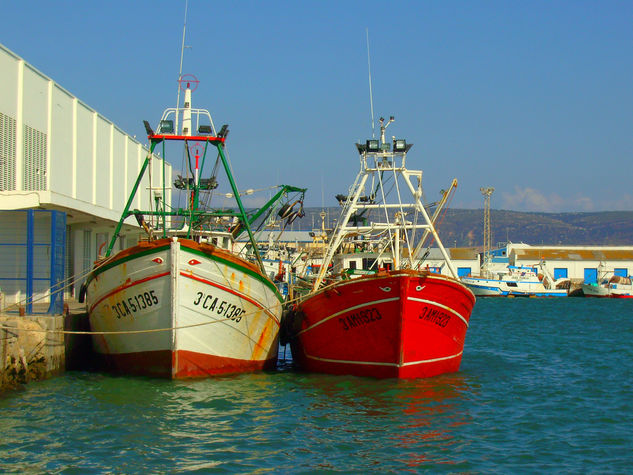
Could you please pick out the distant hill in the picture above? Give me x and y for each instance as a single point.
(464, 227)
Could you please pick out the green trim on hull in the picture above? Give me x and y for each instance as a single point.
(258, 276)
(146, 252)
(116, 262)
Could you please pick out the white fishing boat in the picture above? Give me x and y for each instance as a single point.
(517, 281)
(184, 303)
(609, 285)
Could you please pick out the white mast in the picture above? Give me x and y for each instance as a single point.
(182, 50)
(371, 95)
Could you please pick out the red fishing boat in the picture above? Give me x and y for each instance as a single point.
(383, 310)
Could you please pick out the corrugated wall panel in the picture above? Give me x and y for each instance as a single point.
(119, 192)
(102, 165)
(61, 177)
(134, 162)
(7, 153)
(85, 169)
(35, 99)
(34, 153)
(9, 81)
(107, 160)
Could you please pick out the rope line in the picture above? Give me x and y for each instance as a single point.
(72, 280)
(124, 332)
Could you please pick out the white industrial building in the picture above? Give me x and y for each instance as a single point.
(578, 263)
(60, 155)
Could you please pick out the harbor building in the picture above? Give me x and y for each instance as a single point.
(578, 263)
(65, 173)
(581, 264)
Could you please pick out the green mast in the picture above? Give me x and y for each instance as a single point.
(238, 200)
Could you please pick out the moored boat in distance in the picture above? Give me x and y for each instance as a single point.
(517, 281)
(185, 302)
(609, 285)
(395, 318)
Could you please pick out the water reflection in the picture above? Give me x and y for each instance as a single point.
(280, 420)
(437, 413)
(412, 422)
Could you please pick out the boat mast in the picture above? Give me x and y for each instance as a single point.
(378, 157)
(182, 51)
(371, 95)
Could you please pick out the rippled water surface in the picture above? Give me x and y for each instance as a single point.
(545, 386)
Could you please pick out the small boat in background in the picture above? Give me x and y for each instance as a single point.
(517, 281)
(609, 286)
(187, 302)
(400, 319)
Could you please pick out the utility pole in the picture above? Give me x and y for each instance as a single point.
(487, 192)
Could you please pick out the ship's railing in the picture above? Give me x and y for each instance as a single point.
(200, 117)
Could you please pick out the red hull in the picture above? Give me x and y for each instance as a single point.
(182, 364)
(401, 324)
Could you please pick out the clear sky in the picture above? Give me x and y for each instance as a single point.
(534, 98)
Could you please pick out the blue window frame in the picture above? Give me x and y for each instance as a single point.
(560, 273)
(463, 271)
(621, 271)
(591, 275)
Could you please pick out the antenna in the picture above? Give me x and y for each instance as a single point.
(182, 51)
(486, 191)
(322, 193)
(371, 96)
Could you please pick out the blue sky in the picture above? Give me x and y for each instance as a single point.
(534, 98)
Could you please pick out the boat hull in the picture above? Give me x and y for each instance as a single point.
(607, 291)
(179, 309)
(400, 324)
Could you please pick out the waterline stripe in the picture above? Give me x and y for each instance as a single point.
(376, 363)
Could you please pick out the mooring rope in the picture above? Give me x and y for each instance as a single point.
(123, 332)
(69, 282)
(152, 330)
(77, 332)
(75, 278)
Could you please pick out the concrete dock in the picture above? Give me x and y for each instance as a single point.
(35, 347)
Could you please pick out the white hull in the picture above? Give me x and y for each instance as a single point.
(483, 287)
(183, 310)
(608, 290)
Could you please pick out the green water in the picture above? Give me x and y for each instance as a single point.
(545, 386)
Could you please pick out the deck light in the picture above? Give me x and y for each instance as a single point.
(373, 145)
(399, 145)
(205, 129)
(166, 127)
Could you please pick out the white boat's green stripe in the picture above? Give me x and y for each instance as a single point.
(236, 266)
